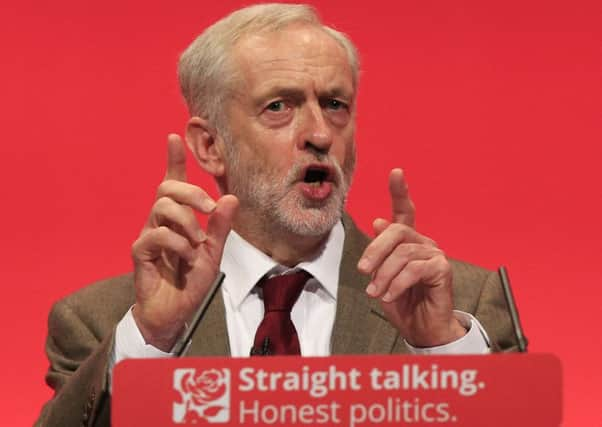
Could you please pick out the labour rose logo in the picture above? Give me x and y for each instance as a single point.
(204, 398)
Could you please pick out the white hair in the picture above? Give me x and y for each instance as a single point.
(205, 71)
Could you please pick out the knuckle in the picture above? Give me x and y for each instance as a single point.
(438, 253)
(415, 268)
(405, 251)
(164, 188)
(135, 248)
(443, 264)
(195, 192)
(400, 230)
(430, 242)
(163, 203)
(408, 250)
(403, 254)
(141, 244)
(162, 233)
(396, 227)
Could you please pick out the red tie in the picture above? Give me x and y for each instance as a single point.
(276, 334)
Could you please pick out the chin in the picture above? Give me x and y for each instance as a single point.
(310, 222)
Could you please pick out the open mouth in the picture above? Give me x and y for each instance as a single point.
(317, 174)
(317, 182)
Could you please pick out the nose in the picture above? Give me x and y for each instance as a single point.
(316, 134)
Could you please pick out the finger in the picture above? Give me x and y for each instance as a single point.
(379, 225)
(395, 263)
(401, 204)
(180, 218)
(176, 158)
(385, 243)
(407, 278)
(186, 194)
(152, 244)
(427, 273)
(220, 223)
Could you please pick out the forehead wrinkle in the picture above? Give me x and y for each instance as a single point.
(299, 67)
(271, 59)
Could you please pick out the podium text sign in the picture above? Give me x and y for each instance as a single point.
(350, 391)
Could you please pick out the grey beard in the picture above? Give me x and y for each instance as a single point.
(275, 207)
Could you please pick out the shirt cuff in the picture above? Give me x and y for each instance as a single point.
(130, 344)
(476, 340)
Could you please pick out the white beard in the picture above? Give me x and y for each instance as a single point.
(276, 204)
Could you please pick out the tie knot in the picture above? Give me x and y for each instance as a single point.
(281, 292)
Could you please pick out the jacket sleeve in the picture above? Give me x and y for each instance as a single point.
(79, 360)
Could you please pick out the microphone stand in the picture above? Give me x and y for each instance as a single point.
(518, 330)
(182, 343)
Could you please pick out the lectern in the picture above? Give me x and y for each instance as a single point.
(498, 390)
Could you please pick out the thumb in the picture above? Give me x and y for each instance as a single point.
(379, 225)
(220, 221)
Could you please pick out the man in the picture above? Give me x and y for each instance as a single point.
(272, 94)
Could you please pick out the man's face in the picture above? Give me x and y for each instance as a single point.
(290, 140)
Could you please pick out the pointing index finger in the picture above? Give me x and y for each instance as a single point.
(176, 158)
(402, 206)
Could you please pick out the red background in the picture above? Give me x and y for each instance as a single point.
(492, 108)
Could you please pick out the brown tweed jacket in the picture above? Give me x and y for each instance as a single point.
(81, 329)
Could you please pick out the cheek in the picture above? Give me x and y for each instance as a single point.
(276, 146)
(345, 149)
(267, 160)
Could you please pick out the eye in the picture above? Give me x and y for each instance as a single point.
(277, 113)
(276, 106)
(334, 104)
(338, 112)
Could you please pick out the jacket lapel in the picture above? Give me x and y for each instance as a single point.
(360, 325)
(211, 336)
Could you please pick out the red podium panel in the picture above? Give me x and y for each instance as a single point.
(351, 391)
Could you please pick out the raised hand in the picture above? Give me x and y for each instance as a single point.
(410, 274)
(175, 261)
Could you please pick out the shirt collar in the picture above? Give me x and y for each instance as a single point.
(244, 264)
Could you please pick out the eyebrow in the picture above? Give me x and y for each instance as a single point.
(336, 92)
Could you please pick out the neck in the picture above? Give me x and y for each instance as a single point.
(283, 246)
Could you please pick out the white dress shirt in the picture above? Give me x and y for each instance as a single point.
(313, 314)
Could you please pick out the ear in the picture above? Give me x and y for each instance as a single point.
(206, 146)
